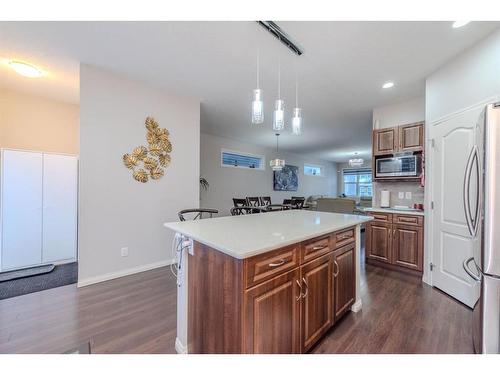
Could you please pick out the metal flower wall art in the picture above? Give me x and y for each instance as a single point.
(150, 162)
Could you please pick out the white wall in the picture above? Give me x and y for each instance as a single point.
(401, 113)
(228, 183)
(115, 210)
(468, 79)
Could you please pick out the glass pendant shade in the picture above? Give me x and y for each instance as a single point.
(277, 164)
(297, 121)
(356, 162)
(279, 115)
(257, 107)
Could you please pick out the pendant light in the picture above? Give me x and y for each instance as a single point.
(257, 104)
(279, 106)
(277, 164)
(356, 162)
(297, 112)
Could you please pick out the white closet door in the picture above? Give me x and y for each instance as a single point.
(60, 175)
(21, 209)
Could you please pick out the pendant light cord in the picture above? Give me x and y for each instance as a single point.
(279, 78)
(258, 67)
(296, 85)
(277, 137)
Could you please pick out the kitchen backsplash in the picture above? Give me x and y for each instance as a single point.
(417, 192)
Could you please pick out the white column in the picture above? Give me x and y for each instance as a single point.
(358, 304)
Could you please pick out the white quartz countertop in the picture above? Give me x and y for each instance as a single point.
(394, 211)
(248, 235)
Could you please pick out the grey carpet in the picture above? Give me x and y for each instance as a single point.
(63, 274)
(25, 272)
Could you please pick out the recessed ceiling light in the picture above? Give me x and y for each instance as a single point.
(458, 24)
(388, 85)
(25, 69)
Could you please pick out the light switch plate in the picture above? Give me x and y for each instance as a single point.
(408, 195)
(401, 195)
(124, 251)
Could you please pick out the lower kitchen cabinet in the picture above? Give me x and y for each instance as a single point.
(317, 299)
(407, 246)
(272, 315)
(378, 241)
(344, 271)
(395, 240)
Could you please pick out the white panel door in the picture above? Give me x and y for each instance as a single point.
(451, 241)
(60, 176)
(21, 209)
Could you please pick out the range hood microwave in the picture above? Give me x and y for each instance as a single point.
(405, 166)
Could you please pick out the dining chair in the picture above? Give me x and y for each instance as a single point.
(245, 210)
(239, 202)
(265, 201)
(253, 201)
(298, 203)
(197, 212)
(287, 204)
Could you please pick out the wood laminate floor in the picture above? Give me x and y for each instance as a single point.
(137, 314)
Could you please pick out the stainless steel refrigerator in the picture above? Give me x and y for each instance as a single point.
(482, 213)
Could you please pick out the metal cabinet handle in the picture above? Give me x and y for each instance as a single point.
(468, 270)
(315, 248)
(277, 264)
(300, 290)
(336, 273)
(307, 288)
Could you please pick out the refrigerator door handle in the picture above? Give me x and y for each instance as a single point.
(466, 191)
(469, 271)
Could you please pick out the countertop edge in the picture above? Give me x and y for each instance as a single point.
(249, 254)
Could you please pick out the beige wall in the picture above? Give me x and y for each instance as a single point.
(31, 122)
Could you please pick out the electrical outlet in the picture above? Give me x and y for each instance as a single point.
(401, 195)
(408, 195)
(124, 251)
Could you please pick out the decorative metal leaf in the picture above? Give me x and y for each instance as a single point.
(155, 149)
(140, 152)
(166, 146)
(157, 173)
(164, 160)
(150, 163)
(162, 134)
(141, 175)
(130, 161)
(151, 123)
(152, 138)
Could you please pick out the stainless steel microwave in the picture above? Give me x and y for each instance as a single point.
(399, 166)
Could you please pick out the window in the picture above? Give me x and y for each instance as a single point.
(237, 159)
(357, 182)
(313, 170)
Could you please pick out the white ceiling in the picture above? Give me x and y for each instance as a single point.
(340, 73)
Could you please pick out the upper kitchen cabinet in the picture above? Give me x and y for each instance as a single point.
(403, 138)
(385, 141)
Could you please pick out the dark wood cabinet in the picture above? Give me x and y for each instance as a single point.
(344, 271)
(385, 141)
(411, 137)
(272, 315)
(378, 241)
(318, 295)
(396, 241)
(407, 246)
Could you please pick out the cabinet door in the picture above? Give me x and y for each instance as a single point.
(408, 246)
(21, 209)
(272, 316)
(317, 300)
(411, 137)
(60, 174)
(385, 141)
(378, 241)
(344, 268)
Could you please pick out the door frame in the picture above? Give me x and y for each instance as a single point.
(429, 229)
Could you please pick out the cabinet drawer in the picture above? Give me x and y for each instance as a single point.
(408, 220)
(343, 237)
(314, 248)
(268, 265)
(381, 216)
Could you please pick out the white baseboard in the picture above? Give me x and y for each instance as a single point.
(129, 271)
(179, 348)
(357, 306)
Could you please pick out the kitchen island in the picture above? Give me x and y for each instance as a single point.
(266, 283)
